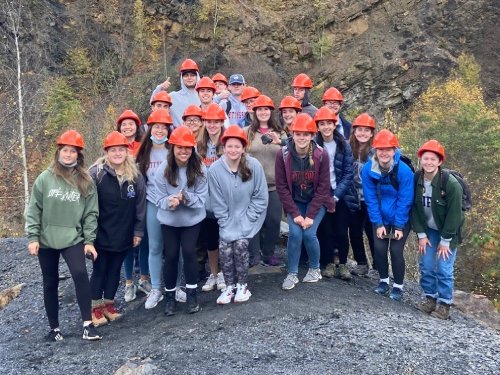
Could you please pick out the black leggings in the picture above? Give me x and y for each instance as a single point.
(106, 274)
(332, 234)
(396, 248)
(175, 239)
(49, 263)
(359, 221)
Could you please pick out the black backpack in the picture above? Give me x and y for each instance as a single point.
(394, 173)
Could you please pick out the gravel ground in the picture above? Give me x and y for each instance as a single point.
(331, 327)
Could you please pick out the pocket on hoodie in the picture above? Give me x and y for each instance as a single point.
(59, 236)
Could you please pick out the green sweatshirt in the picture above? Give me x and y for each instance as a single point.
(58, 216)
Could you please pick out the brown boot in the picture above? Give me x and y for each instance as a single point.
(442, 311)
(428, 306)
(98, 317)
(110, 311)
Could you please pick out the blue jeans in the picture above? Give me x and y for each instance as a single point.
(128, 264)
(436, 274)
(297, 235)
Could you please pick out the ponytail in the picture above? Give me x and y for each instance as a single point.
(243, 169)
(310, 153)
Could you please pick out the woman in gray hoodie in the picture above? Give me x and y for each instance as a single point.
(238, 196)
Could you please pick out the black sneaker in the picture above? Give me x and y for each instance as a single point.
(54, 335)
(90, 332)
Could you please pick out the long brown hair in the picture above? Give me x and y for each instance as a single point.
(77, 176)
(255, 125)
(243, 169)
(144, 152)
(202, 144)
(358, 152)
(193, 170)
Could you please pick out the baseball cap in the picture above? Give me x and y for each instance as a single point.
(237, 78)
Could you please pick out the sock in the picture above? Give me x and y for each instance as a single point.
(108, 301)
(400, 286)
(191, 286)
(56, 329)
(87, 323)
(386, 280)
(170, 290)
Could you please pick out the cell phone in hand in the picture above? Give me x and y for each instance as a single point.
(89, 255)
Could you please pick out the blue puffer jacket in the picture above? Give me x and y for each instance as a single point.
(393, 207)
(344, 171)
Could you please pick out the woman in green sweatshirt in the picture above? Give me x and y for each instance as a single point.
(62, 220)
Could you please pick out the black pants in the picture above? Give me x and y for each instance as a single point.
(106, 274)
(49, 263)
(396, 248)
(359, 222)
(175, 239)
(333, 234)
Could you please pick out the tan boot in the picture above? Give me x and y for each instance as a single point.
(428, 306)
(98, 317)
(110, 312)
(345, 274)
(442, 311)
(329, 270)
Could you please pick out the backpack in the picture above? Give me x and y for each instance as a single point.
(394, 173)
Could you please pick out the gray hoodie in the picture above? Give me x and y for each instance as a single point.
(240, 207)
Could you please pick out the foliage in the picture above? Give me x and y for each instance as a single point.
(78, 62)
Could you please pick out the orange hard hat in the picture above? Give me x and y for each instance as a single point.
(128, 114)
(433, 146)
(385, 139)
(364, 119)
(71, 138)
(160, 116)
(263, 101)
(234, 131)
(182, 136)
(188, 64)
(115, 138)
(325, 114)
(214, 112)
(205, 83)
(290, 102)
(219, 77)
(302, 80)
(303, 123)
(249, 92)
(332, 94)
(192, 110)
(161, 96)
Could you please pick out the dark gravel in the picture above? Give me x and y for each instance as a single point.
(331, 327)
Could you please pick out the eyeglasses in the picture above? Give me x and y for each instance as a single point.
(193, 121)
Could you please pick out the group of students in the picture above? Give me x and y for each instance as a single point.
(212, 171)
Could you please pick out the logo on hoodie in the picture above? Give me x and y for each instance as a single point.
(130, 191)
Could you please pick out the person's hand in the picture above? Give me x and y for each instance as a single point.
(33, 248)
(275, 137)
(173, 202)
(299, 220)
(381, 232)
(443, 252)
(88, 248)
(166, 84)
(307, 223)
(422, 244)
(224, 94)
(398, 234)
(136, 241)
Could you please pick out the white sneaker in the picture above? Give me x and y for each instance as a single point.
(312, 276)
(153, 298)
(242, 293)
(180, 295)
(226, 296)
(130, 292)
(210, 283)
(221, 283)
(290, 281)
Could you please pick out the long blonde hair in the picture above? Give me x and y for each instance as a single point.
(77, 176)
(130, 171)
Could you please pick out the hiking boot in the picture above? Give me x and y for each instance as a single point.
(110, 312)
(144, 286)
(290, 281)
(382, 288)
(130, 292)
(442, 311)
(344, 272)
(329, 271)
(226, 295)
(91, 333)
(153, 298)
(427, 306)
(170, 303)
(242, 293)
(192, 300)
(396, 294)
(313, 275)
(98, 318)
(180, 295)
(210, 284)
(373, 274)
(54, 335)
(221, 283)
(360, 270)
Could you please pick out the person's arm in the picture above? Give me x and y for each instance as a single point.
(404, 198)
(370, 194)
(164, 197)
(34, 212)
(260, 196)
(282, 186)
(89, 217)
(197, 198)
(140, 207)
(322, 191)
(453, 219)
(345, 182)
(217, 200)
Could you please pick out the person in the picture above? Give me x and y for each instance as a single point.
(206, 90)
(333, 229)
(238, 197)
(361, 142)
(129, 124)
(303, 184)
(248, 96)
(189, 76)
(181, 187)
(233, 106)
(192, 118)
(264, 140)
(62, 220)
(333, 99)
(302, 86)
(437, 218)
(153, 151)
(220, 82)
(161, 100)
(388, 191)
(210, 149)
(289, 109)
(120, 227)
